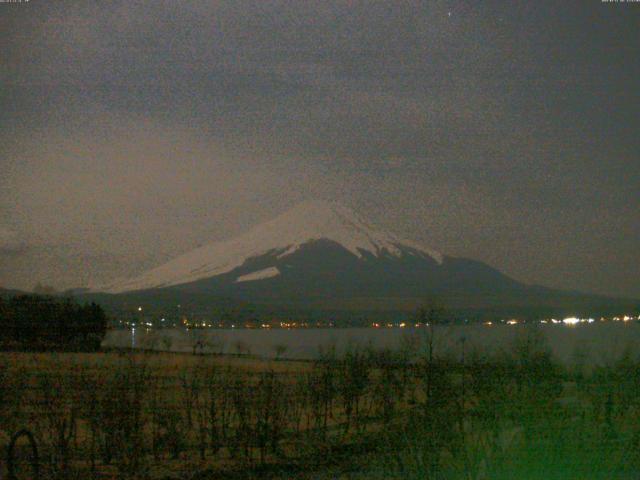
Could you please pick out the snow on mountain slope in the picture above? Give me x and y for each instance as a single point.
(283, 235)
(259, 275)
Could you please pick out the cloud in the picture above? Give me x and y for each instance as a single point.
(10, 242)
(134, 132)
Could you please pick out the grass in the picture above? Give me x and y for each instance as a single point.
(515, 414)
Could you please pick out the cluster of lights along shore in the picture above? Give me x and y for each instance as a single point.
(188, 324)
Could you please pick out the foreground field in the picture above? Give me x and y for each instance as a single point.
(405, 414)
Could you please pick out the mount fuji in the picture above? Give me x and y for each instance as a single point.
(274, 244)
(321, 255)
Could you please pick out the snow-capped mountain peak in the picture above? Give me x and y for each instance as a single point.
(284, 235)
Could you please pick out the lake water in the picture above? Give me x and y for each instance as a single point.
(599, 342)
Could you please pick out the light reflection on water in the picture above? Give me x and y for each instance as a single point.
(594, 343)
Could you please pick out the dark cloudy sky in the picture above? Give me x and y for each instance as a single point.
(502, 131)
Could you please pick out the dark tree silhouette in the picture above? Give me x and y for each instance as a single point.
(35, 323)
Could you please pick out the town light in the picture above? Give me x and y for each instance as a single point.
(571, 321)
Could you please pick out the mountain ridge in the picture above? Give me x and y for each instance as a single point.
(323, 257)
(285, 234)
